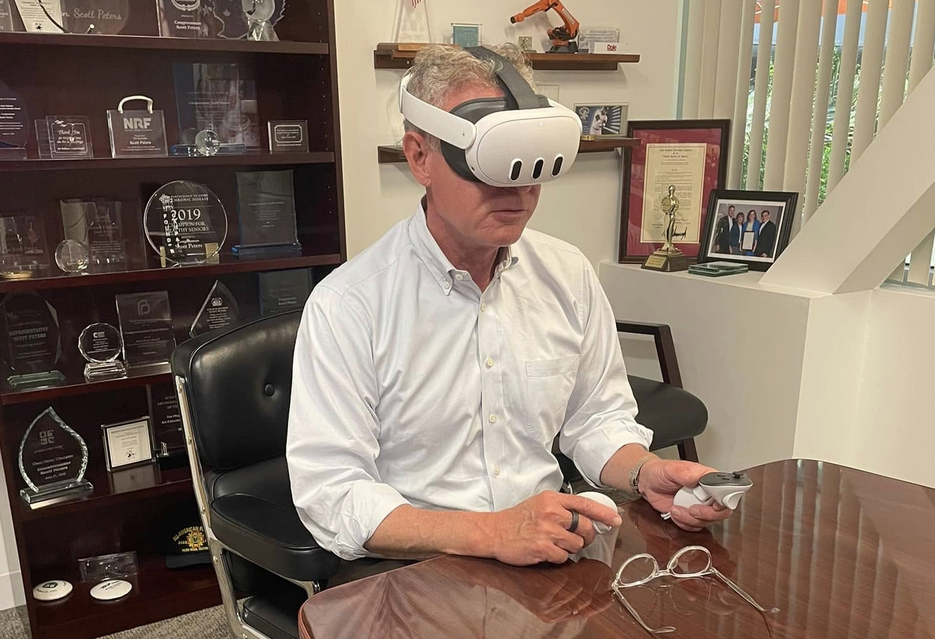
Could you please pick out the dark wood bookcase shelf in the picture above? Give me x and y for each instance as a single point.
(59, 74)
(389, 154)
(390, 55)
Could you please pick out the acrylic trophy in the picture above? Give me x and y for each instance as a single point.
(32, 341)
(52, 461)
(412, 21)
(220, 310)
(185, 223)
(101, 345)
(14, 124)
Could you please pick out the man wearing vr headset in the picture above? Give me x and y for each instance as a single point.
(433, 371)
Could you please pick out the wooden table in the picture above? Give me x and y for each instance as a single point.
(841, 552)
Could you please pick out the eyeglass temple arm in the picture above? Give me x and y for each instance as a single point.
(740, 593)
(632, 611)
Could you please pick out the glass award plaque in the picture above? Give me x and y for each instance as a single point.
(41, 16)
(220, 98)
(260, 19)
(412, 21)
(168, 434)
(14, 124)
(180, 19)
(282, 291)
(288, 136)
(146, 328)
(23, 250)
(266, 207)
(101, 345)
(52, 461)
(137, 133)
(219, 310)
(69, 137)
(6, 16)
(98, 225)
(95, 16)
(185, 223)
(227, 18)
(32, 341)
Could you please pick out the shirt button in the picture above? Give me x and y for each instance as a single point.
(493, 419)
(483, 307)
(496, 471)
(447, 284)
(489, 363)
(459, 277)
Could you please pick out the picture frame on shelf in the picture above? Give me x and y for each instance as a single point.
(692, 154)
(760, 239)
(603, 120)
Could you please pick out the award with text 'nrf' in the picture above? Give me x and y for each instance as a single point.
(52, 461)
(219, 311)
(31, 341)
(185, 223)
(266, 206)
(146, 327)
(137, 132)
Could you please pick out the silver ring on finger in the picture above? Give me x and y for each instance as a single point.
(574, 522)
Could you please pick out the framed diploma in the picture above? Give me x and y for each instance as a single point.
(689, 154)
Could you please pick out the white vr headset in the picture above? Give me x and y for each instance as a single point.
(521, 139)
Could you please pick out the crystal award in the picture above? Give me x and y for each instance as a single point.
(185, 223)
(137, 133)
(412, 21)
(23, 251)
(52, 461)
(98, 225)
(69, 137)
(146, 327)
(259, 19)
(220, 310)
(6, 15)
(14, 124)
(266, 207)
(107, 17)
(217, 109)
(166, 415)
(282, 291)
(101, 345)
(32, 342)
(72, 256)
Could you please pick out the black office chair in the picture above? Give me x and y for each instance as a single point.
(674, 415)
(234, 390)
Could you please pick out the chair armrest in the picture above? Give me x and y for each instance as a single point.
(665, 347)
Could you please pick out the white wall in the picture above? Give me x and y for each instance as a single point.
(582, 208)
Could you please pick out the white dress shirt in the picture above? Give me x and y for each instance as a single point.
(410, 386)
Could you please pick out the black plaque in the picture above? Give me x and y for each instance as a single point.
(288, 136)
(52, 459)
(219, 310)
(14, 124)
(32, 344)
(168, 434)
(266, 207)
(282, 291)
(146, 326)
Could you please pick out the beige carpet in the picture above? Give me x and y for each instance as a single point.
(204, 624)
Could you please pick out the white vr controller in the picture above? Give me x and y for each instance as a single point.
(727, 489)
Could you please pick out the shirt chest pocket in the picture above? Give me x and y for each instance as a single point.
(549, 383)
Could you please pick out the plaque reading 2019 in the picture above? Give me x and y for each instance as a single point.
(185, 223)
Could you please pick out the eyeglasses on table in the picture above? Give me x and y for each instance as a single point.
(641, 569)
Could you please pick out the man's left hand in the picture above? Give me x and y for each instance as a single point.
(661, 479)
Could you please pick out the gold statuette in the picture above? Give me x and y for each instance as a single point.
(668, 258)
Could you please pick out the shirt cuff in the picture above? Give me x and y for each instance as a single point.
(365, 508)
(595, 449)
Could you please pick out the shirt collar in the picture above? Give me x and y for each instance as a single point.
(435, 260)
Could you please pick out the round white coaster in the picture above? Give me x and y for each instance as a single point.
(52, 590)
(111, 590)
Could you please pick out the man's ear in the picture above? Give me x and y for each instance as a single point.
(416, 148)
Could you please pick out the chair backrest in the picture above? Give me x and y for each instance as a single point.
(238, 386)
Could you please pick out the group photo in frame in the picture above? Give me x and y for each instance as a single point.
(749, 227)
(689, 154)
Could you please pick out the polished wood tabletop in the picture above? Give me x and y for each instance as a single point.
(842, 554)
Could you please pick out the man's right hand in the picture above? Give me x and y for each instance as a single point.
(536, 530)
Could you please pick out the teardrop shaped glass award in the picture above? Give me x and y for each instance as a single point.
(52, 461)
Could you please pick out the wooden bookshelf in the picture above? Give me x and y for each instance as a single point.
(389, 154)
(391, 55)
(59, 74)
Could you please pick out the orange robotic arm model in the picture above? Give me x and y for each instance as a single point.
(561, 37)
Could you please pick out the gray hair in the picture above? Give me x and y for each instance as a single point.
(438, 70)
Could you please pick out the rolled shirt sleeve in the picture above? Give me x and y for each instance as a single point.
(601, 413)
(332, 442)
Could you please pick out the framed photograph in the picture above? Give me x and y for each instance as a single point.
(749, 227)
(602, 120)
(689, 154)
(128, 443)
(465, 35)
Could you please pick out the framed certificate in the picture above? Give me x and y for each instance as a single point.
(128, 443)
(689, 154)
